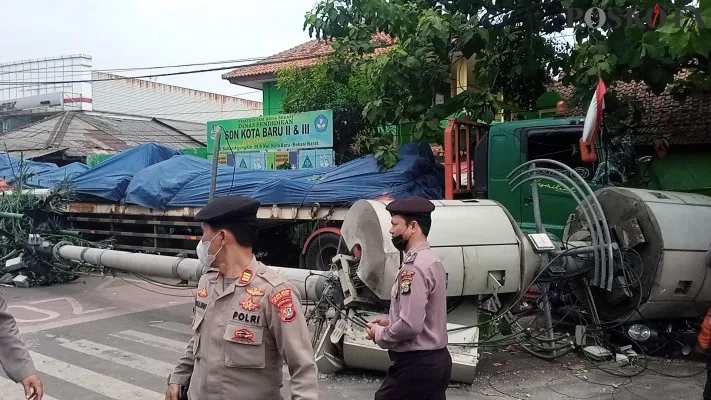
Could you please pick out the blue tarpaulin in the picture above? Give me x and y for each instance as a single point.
(184, 181)
(50, 178)
(158, 177)
(10, 167)
(110, 179)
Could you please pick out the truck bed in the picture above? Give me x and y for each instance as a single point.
(174, 231)
(274, 212)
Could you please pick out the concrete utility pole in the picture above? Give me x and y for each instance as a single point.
(217, 135)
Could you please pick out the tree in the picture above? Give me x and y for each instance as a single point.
(517, 48)
(335, 85)
(653, 54)
(508, 41)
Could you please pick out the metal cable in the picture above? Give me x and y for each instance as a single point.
(606, 228)
(596, 234)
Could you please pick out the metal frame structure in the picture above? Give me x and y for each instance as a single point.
(453, 152)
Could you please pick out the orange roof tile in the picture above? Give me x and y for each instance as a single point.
(303, 55)
(682, 121)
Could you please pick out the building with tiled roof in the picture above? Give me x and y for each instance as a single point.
(262, 75)
(684, 121)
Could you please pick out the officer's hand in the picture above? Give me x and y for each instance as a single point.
(34, 389)
(172, 392)
(370, 331)
(381, 321)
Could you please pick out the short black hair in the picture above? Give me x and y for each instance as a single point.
(424, 221)
(245, 231)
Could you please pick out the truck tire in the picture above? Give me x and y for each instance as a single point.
(322, 248)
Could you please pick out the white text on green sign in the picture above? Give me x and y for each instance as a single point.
(312, 129)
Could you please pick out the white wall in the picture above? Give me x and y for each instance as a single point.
(152, 99)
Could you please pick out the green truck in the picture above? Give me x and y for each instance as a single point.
(507, 145)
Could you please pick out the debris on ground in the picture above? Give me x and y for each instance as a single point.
(29, 219)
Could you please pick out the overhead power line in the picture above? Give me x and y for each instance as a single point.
(267, 61)
(107, 70)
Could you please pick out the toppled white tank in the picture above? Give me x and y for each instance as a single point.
(473, 238)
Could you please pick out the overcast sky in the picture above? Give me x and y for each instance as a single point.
(141, 33)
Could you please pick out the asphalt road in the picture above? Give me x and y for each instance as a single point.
(115, 339)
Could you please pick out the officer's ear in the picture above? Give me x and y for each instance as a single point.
(415, 225)
(222, 234)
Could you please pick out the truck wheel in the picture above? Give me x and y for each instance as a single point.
(322, 249)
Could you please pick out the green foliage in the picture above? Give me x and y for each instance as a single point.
(335, 85)
(517, 46)
(630, 53)
(512, 55)
(23, 213)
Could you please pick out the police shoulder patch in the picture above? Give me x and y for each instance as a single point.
(405, 287)
(285, 303)
(407, 274)
(405, 280)
(287, 314)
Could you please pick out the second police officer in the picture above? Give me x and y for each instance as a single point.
(415, 333)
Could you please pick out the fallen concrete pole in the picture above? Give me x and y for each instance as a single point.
(309, 283)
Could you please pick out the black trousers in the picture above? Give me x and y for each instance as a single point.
(707, 387)
(417, 375)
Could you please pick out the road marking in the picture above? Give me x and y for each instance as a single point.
(77, 308)
(174, 327)
(118, 356)
(10, 390)
(50, 314)
(152, 340)
(90, 380)
(95, 317)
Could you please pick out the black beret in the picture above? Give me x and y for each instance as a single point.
(415, 206)
(228, 208)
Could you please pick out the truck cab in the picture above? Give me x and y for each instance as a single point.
(504, 146)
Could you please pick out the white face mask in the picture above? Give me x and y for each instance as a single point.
(203, 252)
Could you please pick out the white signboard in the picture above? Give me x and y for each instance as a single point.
(42, 100)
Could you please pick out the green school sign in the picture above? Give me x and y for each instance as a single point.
(282, 132)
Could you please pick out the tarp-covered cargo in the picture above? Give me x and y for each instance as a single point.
(159, 177)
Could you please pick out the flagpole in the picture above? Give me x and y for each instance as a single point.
(606, 148)
(604, 138)
(592, 127)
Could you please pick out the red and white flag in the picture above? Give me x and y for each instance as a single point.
(593, 121)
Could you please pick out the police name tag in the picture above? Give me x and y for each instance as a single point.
(247, 317)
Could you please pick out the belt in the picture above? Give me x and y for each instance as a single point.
(408, 355)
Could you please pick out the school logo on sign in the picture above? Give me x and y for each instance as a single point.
(307, 163)
(321, 123)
